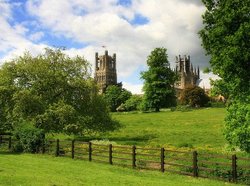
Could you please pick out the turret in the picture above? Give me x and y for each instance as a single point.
(96, 61)
(114, 61)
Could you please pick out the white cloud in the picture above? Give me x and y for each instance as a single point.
(13, 41)
(205, 80)
(5, 10)
(134, 88)
(36, 36)
(172, 24)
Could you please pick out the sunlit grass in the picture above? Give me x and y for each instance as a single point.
(44, 170)
(195, 129)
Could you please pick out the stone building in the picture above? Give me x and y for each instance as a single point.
(105, 70)
(189, 76)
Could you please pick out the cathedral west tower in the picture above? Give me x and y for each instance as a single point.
(105, 70)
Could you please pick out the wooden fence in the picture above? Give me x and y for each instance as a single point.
(223, 167)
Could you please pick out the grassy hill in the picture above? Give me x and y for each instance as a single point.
(43, 170)
(201, 128)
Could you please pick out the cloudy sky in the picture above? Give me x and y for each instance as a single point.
(129, 28)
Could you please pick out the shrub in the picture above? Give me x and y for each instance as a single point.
(194, 96)
(29, 139)
(133, 103)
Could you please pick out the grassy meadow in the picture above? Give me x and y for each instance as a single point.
(198, 128)
(194, 128)
(45, 170)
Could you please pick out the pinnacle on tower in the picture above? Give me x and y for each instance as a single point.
(198, 72)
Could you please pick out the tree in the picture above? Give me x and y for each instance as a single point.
(52, 92)
(225, 37)
(194, 96)
(115, 96)
(159, 80)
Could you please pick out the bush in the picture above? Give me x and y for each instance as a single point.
(194, 96)
(133, 103)
(29, 139)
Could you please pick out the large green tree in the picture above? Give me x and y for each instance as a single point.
(159, 81)
(53, 92)
(226, 38)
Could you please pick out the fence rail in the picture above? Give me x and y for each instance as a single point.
(232, 169)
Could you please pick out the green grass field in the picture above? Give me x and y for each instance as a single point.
(45, 170)
(199, 129)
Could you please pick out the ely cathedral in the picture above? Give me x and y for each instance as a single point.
(105, 72)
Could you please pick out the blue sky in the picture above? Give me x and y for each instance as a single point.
(129, 28)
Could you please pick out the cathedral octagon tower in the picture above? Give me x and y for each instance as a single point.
(105, 70)
(188, 75)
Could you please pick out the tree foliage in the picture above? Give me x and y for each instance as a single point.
(194, 96)
(237, 130)
(132, 104)
(115, 96)
(159, 80)
(226, 36)
(53, 92)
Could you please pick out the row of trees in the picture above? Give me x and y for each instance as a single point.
(159, 89)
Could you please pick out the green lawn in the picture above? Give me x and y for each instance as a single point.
(202, 128)
(29, 169)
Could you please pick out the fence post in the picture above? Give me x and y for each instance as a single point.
(57, 148)
(110, 154)
(195, 164)
(1, 139)
(234, 168)
(133, 156)
(73, 149)
(10, 142)
(162, 159)
(90, 151)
